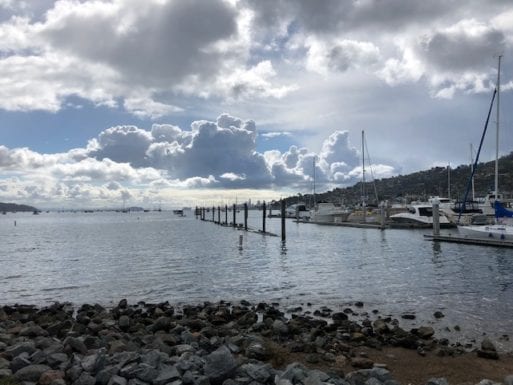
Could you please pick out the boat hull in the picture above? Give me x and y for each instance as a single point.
(499, 232)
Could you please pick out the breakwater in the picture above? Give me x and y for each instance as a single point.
(207, 344)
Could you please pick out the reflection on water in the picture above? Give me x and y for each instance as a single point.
(157, 256)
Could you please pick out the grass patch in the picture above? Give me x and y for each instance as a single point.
(9, 381)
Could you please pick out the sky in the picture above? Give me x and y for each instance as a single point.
(190, 102)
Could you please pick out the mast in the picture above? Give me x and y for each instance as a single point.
(497, 133)
(314, 201)
(472, 170)
(364, 208)
(449, 180)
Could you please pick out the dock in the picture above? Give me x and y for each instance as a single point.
(347, 224)
(469, 241)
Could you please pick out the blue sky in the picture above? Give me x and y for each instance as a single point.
(186, 102)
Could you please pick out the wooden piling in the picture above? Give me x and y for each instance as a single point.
(263, 217)
(436, 219)
(283, 235)
(234, 215)
(246, 216)
(213, 214)
(226, 214)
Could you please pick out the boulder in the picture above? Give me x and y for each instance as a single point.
(362, 363)
(219, 365)
(50, 376)
(31, 373)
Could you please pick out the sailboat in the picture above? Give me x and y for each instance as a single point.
(498, 231)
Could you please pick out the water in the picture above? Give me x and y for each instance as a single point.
(157, 256)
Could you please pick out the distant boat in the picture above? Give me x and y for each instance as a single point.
(179, 212)
(327, 212)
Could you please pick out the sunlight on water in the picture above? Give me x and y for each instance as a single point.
(157, 256)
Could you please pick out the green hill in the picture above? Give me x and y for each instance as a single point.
(423, 184)
(13, 207)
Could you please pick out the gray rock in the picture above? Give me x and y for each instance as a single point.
(508, 380)
(373, 381)
(136, 381)
(4, 364)
(85, 379)
(129, 370)
(56, 359)
(488, 382)
(257, 350)
(20, 362)
(74, 372)
(260, 373)
(437, 381)
(425, 332)
(5, 373)
(24, 347)
(31, 372)
(124, 322)
(279, 327)
(362, 363)
(117, 380)
(161, 323)
(146, 373)
(183, 348)
(486, 344)
(33, 331)
(293, 373)
(220, 364)
(167, 374)
(103, 376)
(76, 345)
(93, 363)
(153, 358)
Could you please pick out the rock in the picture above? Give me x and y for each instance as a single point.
(146, 373)
(50, 376)
(488, 350)
(260, 373)
(408, 316)
(257, 350)
(4, 364)
(24, 347)
(76, 345)
(279, 327)
(380, 326)
(56, 359)
(425, 332)
(167, 374)
(362, 363)
(85, 379)
(437, 381)
(358, 304)
(93, 363)
(438, 314)
(31, 373)
(5, 373)
(219, 365)
(117, 380)
(124, 322)
(20, 362)
(33, 331)
(508, 380)
(123, 304)
(339, 317)
(161, 323)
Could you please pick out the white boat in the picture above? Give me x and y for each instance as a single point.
(419, 215)
(327, 212)
(498, 232)
(298, 211)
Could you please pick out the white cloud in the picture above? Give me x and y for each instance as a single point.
(125, 160)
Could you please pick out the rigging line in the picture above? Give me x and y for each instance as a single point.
(469, 183)
(371, 171)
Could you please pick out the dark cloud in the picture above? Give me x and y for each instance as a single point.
(148, 43)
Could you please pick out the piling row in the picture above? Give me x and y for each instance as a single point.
(201, 213)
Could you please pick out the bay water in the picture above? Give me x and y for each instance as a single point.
(102, 257)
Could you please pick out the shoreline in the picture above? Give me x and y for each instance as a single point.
(242, 333)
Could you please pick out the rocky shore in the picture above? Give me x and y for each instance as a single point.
(216, 344)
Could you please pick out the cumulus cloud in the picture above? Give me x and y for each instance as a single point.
(217, 154)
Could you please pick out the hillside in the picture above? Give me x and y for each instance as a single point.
(420, 185)
(13, 207)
